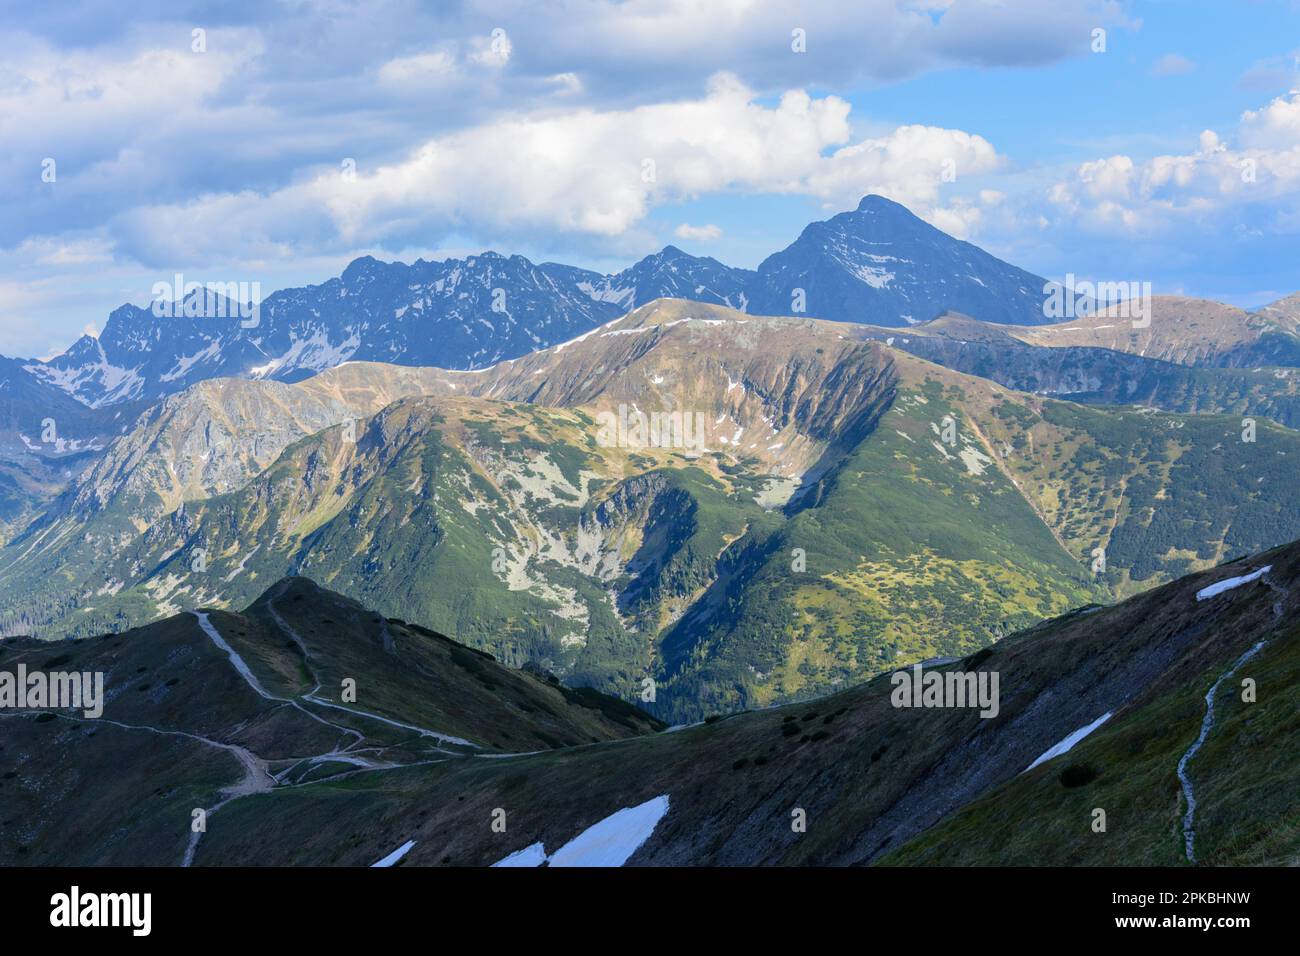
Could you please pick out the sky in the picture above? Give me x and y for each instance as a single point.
(272, 142)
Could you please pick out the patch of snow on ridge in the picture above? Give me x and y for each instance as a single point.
(1068, 743)
(396, 855)
(534, 855)
(611, 842)
(1227, 584)
(561, 346)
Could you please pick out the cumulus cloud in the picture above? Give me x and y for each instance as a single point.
(589, 172)
(698, 233)
(69, 251)
(135, 117)
(1216, 178)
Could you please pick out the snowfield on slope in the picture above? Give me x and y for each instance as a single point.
(611, 842)
(1068, 742)
(396, 855)
(1227, 584)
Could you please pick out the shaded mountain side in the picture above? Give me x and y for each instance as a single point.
(1186, 331)
(882, 265)
(672, 273)
(872, 780)
(183, 727)
(46, 438)
(1100, 376)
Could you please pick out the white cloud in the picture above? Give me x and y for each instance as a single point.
(565, 84)
(910, 166)
(493, 50)
(420, 68)
(1169, 191)
(706, 233)
(583, 171)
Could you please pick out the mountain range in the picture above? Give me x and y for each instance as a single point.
(848, 505)
(878, 264)
(441, 756)
(476, 530)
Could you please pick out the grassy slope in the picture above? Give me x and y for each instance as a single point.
(1245, 780)
(871, 776)
(120, 790)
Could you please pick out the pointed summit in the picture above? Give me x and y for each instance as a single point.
(875, 202)
(883, 265)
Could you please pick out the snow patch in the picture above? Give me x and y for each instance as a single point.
(1068, 743)
(611, 842)
(396, 855)
(1227, 584)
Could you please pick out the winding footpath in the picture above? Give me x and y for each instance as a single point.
(1207, 724)
(257, 778)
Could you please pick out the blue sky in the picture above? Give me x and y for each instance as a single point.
(285, 139)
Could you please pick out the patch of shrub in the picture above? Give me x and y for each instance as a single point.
(1077, 775)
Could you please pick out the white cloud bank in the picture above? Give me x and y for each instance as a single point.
(1169, 192)
(583, 171)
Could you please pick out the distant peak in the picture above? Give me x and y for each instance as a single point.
(360, 266)
(877, 203)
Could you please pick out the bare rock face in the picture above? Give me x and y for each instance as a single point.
(206, 441)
